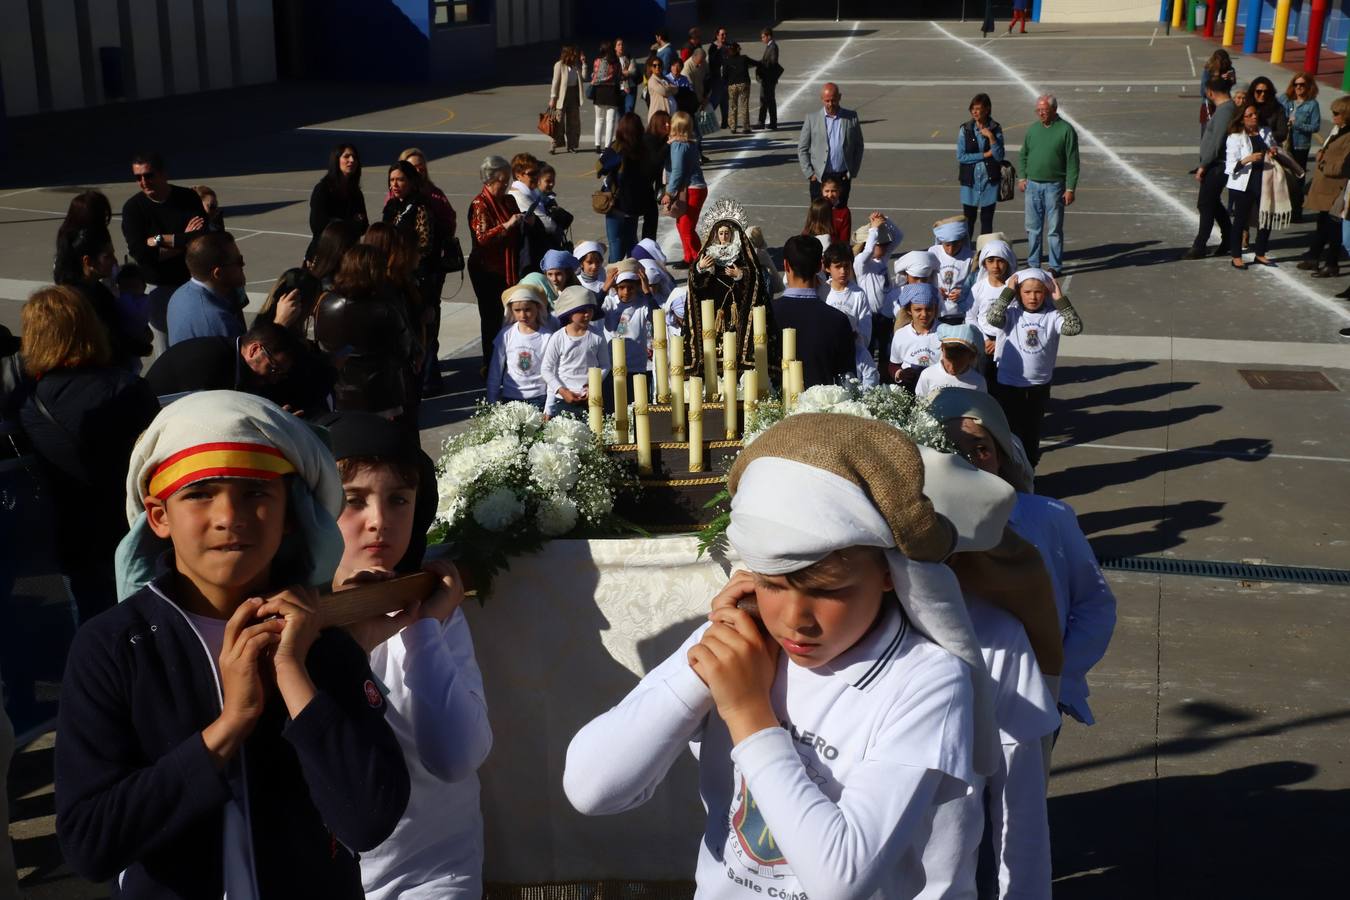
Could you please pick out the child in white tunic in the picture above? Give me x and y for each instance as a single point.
(828, 731)
(840, 292)
(960, 363)
(997, 262)
(423, 660)
(590, 257)
(627, 313)
(516, 370)
(915, 346)
(955, 270)
(871, 272)
(572, 351)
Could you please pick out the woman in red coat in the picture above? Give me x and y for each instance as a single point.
(495, 227)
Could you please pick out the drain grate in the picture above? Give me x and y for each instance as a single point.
(1286, 380)
(1155, 565)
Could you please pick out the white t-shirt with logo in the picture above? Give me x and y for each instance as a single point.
(935, 378)
(517, 369)
(844, 792)
(632, 322)
(910, 349)
(568, 361)
(984, 295)
(1028, 345)
(953, 272)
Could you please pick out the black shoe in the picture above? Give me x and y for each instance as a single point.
(703, 160)
(1195, 253)
(1309, 265)
(1267, 261)
(1222, 249)
(1343, 295)
(1055, 274)
(1327, 272)
(1345, 332)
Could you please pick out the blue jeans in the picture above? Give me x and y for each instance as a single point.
(621, 231)
(1345, 234)
(1045, 222)
(629, 102)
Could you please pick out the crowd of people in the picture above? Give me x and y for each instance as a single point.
(211, 473)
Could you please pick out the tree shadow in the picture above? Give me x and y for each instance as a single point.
(1087, 479)
(1168, 525)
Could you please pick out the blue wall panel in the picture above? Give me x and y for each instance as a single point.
(369, 40)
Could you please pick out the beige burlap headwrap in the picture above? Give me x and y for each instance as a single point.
(876, 457)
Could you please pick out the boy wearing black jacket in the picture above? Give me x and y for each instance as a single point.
(213, 741)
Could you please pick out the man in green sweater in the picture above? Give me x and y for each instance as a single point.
(1049, 176)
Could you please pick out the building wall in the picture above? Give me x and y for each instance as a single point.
(52, 52)
(1099, 11)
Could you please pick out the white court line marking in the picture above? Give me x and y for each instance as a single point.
(1291, 284)
(1190, 59)
(258, 231)
(947, 209)
(17, 193)
(1021, 39)
(1003, 82)
(1153, 38)
(45, 212)
(1197, 451)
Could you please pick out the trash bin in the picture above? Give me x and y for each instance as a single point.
(1200, 10)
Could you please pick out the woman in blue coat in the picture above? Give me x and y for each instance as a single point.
(1305, 120)
(979, 154)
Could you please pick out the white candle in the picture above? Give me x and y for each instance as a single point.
(677, 386)
(789, 346)
(695, 424)
(595, 400)
(660, 362)
(798, 381)
(761, 320)
(619, 370)
(751, 397)
(729, 382)
(643, 424)
(709, 349)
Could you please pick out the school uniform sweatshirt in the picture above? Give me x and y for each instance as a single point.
(837, 803)
(138, 798)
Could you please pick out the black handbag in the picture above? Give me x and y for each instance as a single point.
(452, 256)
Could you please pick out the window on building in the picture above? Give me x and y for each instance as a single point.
(445, 13)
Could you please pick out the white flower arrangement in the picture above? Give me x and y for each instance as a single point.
(889, 403)
(510, 481)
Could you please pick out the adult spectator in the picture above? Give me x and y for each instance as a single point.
(605, 94)
(307, 386)
(685, 99)
(685, 190)
(564, 95)
(656, 144)
(337, 197)
(1305, 120)
(696, 70)
(1330, 174)
(362, 326)
(447, 223)
(625, 165)
(409, 212)
(717, 83)
(495, 230)
(82, 417)
(524, 190)
(262, 356)
(831, 143)
(664, 50)
(824, 335)
(211, 302)
(87, 209)
(736, 71)
(400, 273)
(156, 224)
(979, 157)
(1210, 173)
(694, 44)
(1049, 178)
(1020, 14)
(769, 73)
(84, 261)
(337, 238)
(1272, 115)
(1219, 65)
(659, 90)
(1246, 158)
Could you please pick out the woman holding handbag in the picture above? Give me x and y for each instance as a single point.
(624, 166)
(605, 95)
(1248, 152)
(685, 189)
(494, 262)
(979, 156)
(564, 98)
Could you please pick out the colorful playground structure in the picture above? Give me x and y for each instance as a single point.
(1310, 25)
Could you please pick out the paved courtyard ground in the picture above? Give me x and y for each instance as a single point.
(1219, 766)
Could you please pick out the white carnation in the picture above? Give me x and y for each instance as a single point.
(517, 415)
(557, 515)
(463, 467)
(821, 398)
(555, 467)
(852, 408)
(501, 450)
(498, 509)
(449, 499)
(568, 432)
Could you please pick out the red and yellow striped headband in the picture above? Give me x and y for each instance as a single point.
(225, 459)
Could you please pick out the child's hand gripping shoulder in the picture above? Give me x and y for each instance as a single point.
(738, 661)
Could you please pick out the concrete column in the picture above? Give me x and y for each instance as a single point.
(1317, 23)
(1211, 17)
(1178, 10)
(1251, 29)
(1281, 30)
(1230, 23)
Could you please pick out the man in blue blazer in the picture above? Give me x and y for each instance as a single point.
(831, 143)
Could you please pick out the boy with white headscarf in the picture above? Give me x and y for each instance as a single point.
(214, 742)
(832, 723)
(955, 270)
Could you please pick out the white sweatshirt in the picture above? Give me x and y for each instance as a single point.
(568, 361)
(984, 295)
(438, 713)
(516, 371)
(1028, 345)
(954, 272)
(836, 804)
(853, 303)
(873, 277)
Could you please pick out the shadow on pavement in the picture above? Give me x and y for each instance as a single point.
(1086, 479)
(1085, 372)
(1089, 425)
(1167, 527)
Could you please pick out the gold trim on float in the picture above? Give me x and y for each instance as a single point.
(684, 482)
(672, 445)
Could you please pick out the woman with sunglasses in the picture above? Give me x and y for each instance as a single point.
(1305, 119)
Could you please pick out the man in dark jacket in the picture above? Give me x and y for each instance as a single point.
(263, 357)
(1209, 200)
(769, 73)
(157, 223)
(824, 335)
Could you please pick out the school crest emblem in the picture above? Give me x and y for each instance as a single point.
(525, 360)
(754, 845)
(1033, 337)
